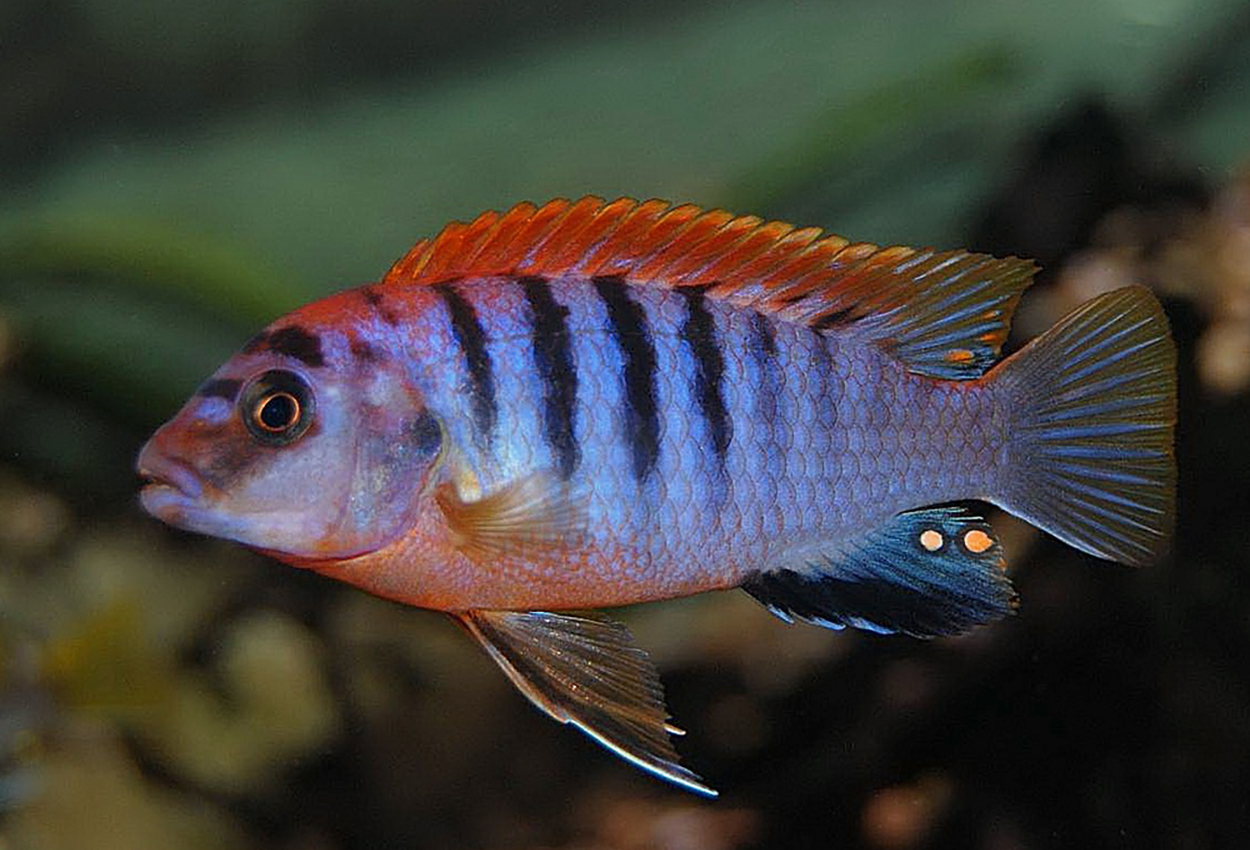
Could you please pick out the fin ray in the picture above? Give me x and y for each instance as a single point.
(921, 574)
(584, 668)
(536, 512)
(943, 313)
(1094, 403)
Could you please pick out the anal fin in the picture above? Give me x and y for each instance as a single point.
(584, 668)
(929, 572)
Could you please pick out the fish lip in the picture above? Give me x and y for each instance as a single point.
(167, 477)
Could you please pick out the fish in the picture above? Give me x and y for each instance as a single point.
(588, 404)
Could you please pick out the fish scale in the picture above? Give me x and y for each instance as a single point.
(596, 403)
(835, 477)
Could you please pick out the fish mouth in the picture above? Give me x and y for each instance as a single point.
(170, 486)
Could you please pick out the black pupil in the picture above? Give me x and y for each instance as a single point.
(278, 412)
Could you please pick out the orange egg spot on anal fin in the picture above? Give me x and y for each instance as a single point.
(977, 541)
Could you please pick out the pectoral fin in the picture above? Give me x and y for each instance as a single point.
(583, 668)
(535, 512)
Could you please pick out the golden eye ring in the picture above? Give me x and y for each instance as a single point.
(277, 412)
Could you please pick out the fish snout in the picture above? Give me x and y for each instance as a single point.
(170, 484)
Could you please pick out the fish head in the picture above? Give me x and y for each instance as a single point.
(309, 444)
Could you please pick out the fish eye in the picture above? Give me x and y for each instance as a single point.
(277, 407)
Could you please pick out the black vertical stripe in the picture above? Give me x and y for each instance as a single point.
(824, 366)
(762, 346)
(471, 337)
(628, 326)
(698, 332)
(553, 358)
(763, 340)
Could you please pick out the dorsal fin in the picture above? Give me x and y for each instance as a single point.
(943, 313)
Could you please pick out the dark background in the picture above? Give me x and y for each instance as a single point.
(173, 175)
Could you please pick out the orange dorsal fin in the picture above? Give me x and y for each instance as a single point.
(943, 313)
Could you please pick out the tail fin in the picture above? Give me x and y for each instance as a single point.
(1093, 407)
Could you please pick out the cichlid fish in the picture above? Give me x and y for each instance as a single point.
(592, 404)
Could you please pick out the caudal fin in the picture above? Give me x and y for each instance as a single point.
(1093, 407)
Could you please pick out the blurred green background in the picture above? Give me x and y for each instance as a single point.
(174, 175)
